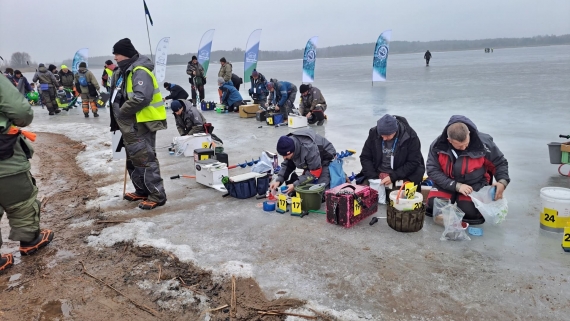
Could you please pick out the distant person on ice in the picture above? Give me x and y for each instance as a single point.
(138, 112)
(66, 79)
(87, 86)
(304, 149)
(197, 79)
(230, 96)
(176, 92)
(258, 92)
(282, 95)
(189, 120)
(48, 85)
(108, 70)
(463, 160)
(313, 104)
(18, 191)
(427, 57)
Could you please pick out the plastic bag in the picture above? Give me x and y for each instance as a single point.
(337, 173)
(375, 185)
(493, 211)
(265, 164)
(438, 205)
(455, 229)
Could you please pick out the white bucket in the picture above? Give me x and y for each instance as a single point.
(406, 204)
(555, 214)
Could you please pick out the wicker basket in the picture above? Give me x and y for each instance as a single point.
(406, 221)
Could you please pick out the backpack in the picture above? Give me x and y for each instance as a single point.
(83, 80)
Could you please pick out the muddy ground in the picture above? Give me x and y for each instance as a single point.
(69, 280)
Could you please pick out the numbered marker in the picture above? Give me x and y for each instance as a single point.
(566, 239)
(417, 206)
(295, 205)
(549, 218)
(357, 208)
(410, 190)
(270, 121)
(290, 121)
(205, 145)
(391, 203)
(282, 203)
(203, 157)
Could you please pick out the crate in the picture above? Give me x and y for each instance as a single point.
(565, 157)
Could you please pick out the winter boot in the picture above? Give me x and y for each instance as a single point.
(149, 205)
(6, 261)
(95, 114)
(43, 239)
(86, 115)
(57, 111)
(51, 113)
(94, 109)
(131, 197)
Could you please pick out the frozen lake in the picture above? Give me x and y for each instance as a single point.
(515, 271)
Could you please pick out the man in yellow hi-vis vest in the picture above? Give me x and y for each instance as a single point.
(138, 111)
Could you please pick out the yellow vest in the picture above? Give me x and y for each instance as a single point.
(155, 110)
(109, 74)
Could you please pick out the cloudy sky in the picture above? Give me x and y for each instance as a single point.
(53, 30)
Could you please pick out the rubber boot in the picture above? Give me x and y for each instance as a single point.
(94, 109)
(85, 107)
(131, 197)
(149, 205)
(44, 238)
(6, 261)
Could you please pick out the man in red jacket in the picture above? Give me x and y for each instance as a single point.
(462, 160)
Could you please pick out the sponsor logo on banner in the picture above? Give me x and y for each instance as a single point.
(251, 57)
(311, 55)
(204, 55)
(382, 52)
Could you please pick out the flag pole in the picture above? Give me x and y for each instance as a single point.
(148, 35)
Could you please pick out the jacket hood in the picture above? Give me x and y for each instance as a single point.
(143, 61)
(302, 137)
(475, 143)
(42, 69)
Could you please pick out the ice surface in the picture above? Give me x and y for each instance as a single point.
(515, 271)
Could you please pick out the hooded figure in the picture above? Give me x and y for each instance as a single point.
(306, 150)
(282, 94)
(138, 111)
(88, 87)
(22, 83)
(48, 85)
(230, 96)
(462, 160)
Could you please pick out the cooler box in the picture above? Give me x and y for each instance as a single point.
(274, 119)
(297, 121)
(347, 205)
(210, 173)
(244, 186)
(261, 115)
(248, 111)
(187, 144)
(203, 154)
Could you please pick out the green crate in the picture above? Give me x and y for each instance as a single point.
(565, 158)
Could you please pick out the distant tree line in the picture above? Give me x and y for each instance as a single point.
(366, 49)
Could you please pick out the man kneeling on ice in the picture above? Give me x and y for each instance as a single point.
(189, 120)
(462, 160)
(304, 149)
(313, 104)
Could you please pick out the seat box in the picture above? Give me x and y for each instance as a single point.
(248, 111)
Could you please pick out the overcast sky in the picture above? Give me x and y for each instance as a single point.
(53, 30)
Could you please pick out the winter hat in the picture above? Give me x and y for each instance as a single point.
(41, 65)
(304, 88)
(285, 146)
(387, 125)
(223, 59)
(269, 85)
(64, 67)
(166, 85)
(83, 64)
(124, 47)
(17, 72)
(52, 67)
(254, 73)
(221, 80)
(108, 62)
(194, 58)
(175, 105)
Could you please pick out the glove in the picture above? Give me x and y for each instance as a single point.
(317, 172)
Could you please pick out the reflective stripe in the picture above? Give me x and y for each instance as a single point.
(156, 109)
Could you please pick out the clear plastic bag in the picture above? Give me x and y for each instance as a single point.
(438, 205)
(264, 165)
(493, 211)
(375, 184)
(455, 229)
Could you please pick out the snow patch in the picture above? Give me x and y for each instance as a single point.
(82, 224)
(340, 315)
(107, 196)
(236, 268)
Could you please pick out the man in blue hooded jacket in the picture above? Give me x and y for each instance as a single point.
(230, 96)
(282, 95)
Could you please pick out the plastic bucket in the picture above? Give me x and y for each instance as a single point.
(555, 153)
(310, 199)
(555, 213)
(406, 204)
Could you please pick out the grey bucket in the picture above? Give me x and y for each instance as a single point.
(555, 153)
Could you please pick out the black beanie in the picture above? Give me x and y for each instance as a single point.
(285, 146)
(303, 88)
(166, 85)
(83, 64)
(223, 59)
(125, 47)
(194, 58)
(52, 67)
(108, 62)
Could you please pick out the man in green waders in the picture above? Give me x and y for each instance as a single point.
(138, 111)
(18, 190)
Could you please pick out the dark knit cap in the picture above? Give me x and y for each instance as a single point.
(166, 85)
(175, 105)
(303, 88)
(83, 64)
(52, 67)
(254, 73)
(125, 47)
(387, 125)
(39, 66)
(17, 72)
(223, 59)
(194, 58)
(108, 62)
(285, 145)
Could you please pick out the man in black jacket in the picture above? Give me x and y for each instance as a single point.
(176, 92)
(392, 152)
